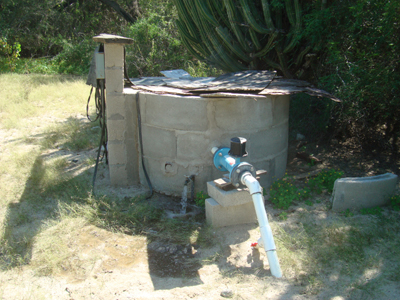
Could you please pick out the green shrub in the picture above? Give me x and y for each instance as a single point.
(75, 58)
(200, 199)
(360, 63)
(325, 180)
(9, 54)
(395, 202)
(310, 116)
(282, 193)
(157, 46)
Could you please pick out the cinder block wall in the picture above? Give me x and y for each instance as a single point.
(179, 132)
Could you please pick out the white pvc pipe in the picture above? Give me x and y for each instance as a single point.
(266, 232)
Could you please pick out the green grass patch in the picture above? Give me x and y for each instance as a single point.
(376, 211)
(284, 192)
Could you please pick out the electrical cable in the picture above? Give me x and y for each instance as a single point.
(139, 119)
(101, 116)
(141, 146)
(192, 177)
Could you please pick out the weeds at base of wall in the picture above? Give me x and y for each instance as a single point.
(200, 199)
(284, 192)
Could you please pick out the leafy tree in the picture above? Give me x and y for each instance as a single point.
(360, 63)
(44, 27)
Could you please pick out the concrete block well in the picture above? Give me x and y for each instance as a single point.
(363, 192)
(179, 131)
(182, 130)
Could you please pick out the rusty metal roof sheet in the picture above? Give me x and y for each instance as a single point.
(231, 85)
(246, 81)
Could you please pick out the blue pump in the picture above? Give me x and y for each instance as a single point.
(228, 159)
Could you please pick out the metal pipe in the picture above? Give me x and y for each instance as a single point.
(266, 232)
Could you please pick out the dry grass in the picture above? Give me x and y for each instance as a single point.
(38, 113)
(353, 252)
(25, 98)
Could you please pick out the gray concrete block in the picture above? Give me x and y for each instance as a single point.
(116, 152)
(243, 113)
(131, 118)
(114, 80)
(280, 164)
(268, 143)
(355, 193)
(168, 176)
(118, 175)
(116, 130)
(176, 112)
(158, 142)
(280, 110)
(116, 104)
(178, 133)
(132, 164)
(219, 216)
(114, 55)
(228, 198)
(193, 146)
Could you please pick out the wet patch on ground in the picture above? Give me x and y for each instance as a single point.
(171, 260)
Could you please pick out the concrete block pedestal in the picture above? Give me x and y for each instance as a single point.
(227, 208)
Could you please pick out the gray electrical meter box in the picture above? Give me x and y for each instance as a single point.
(96, 70)
(99, 59)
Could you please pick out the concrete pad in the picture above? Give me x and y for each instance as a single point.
(228, 198)
(219, 216)
(363, 192)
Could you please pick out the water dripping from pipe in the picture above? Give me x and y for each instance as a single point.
(184, 199)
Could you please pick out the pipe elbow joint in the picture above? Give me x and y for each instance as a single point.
(252, 183)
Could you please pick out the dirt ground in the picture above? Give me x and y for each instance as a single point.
(121, 266)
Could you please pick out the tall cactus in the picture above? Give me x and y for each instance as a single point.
(244, 34)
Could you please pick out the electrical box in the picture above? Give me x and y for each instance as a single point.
(99, 59)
